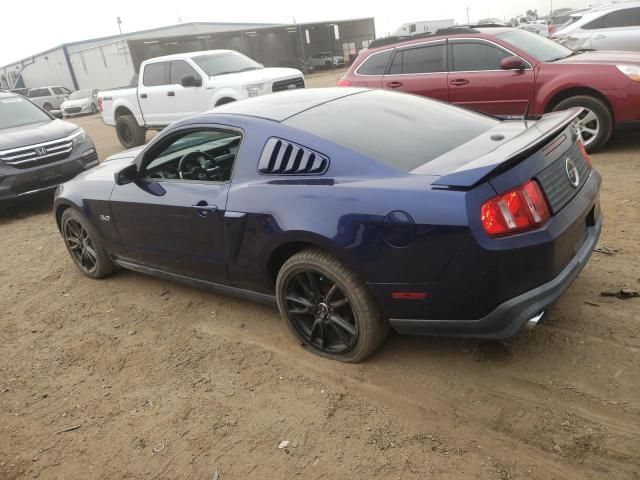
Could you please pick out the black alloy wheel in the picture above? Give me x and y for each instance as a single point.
(80, 246)
(328, 307)
(84, 245)
(320, 312)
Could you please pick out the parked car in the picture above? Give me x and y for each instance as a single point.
(507, 72)
(80, 102)
(298, 63)
(324, 59)
(610, 27)
(563, 18)
(37, 151)
(536, 28)
(49, 98)
(174, 87)
(490, 21)
(432, 220)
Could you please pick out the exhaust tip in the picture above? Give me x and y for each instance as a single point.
(533, 321)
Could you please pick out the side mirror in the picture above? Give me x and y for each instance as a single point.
(190, 81)
(512, 63)
(56, 113)
(128, 174)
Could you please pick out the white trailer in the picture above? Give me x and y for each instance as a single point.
(417, 28)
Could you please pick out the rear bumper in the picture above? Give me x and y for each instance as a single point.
(511, 316)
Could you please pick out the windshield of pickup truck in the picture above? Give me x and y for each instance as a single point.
(223, 63)
(538, 47)
(18, 112)
(80, 94)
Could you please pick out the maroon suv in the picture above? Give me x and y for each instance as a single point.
(505, 72)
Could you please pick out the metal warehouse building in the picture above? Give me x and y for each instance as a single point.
(112, 61)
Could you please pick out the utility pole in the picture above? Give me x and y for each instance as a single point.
(467, 8)
(119, 24)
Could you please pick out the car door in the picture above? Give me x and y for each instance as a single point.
(419, 69)
(175, 224)
(184, 101)
(153, 94)
(477, 81)
(619, 30)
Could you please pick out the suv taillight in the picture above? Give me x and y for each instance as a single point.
(522, 208)
(344, 83)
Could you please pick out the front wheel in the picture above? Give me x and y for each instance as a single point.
(85, 245)
(328, 308)
(595, 123)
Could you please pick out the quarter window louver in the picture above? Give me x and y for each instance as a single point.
(281, 157)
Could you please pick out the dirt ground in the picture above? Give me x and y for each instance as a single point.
(157, 380)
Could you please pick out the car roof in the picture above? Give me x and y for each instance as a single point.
(280, 106)
(613, 7)
(189, 55)
(474, 31)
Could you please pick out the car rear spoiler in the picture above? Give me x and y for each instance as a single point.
(510, 152)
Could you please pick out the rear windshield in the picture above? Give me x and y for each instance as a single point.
(400, 130)
(17, 112)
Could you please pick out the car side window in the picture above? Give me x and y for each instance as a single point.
(156, 74)
(427, 59)
(203, 155)
(180, 69)
(38, 92)
(622, 18)
(57, 91)
(375, 64)
(474, 57)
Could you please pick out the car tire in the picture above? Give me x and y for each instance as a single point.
(327, 64)
(94, 109)
(129, 132)
(596, 118)
(84, 245)
(48, 107)
(335, 315)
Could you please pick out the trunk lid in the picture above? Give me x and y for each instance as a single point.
(496, 150)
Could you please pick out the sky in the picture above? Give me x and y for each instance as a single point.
(42, 24)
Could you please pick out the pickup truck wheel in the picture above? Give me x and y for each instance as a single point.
(328, 308)
(129, 132)
(47, 107)
(595, 123)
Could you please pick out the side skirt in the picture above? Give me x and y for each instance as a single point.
(216, 287)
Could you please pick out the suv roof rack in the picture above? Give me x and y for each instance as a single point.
(456, 29)
(396, 38)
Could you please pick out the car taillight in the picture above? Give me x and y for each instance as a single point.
(100, 104)
(584, 153)
(519, 209)
(344, 83)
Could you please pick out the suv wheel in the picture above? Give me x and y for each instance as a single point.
(328, 308)
(595, 123)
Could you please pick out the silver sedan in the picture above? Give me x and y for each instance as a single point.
(80, 102)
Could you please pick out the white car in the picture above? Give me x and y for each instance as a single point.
(610, 27)
(80, 102)
(177, 86)
(323, 59)
(49, 98)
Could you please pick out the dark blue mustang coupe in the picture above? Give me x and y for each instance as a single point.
(354, 210)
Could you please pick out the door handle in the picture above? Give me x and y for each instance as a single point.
(204, 208)
(171, 94)
(143, 95)
(394, 84)
(459, 82)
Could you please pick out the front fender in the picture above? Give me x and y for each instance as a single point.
(226, 92)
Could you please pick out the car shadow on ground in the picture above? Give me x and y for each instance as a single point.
(35, 205)
(628, 140)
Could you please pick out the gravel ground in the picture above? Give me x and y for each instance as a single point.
(157, 380)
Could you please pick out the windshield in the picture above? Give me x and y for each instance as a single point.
(17, 112)
(80, 94)
(540, 48)
(222, 63)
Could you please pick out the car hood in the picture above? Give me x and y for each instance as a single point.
(603, 57)
(263, 75)
(75, 102)
(35, 133)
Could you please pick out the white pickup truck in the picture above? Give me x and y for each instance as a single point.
(174, 87)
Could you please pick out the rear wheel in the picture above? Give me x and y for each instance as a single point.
(85, 245)
(328, 308)
(47, 107)
(595, 123)
(94, 109)
(129, 132)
